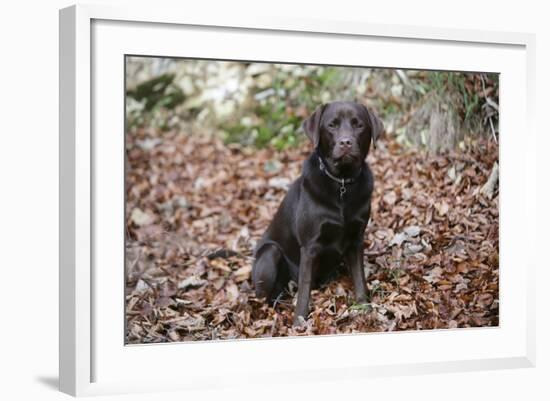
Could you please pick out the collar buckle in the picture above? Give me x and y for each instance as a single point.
(342, 189)
(341, 181)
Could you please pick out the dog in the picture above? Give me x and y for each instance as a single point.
(322, 219)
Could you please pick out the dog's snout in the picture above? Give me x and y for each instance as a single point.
(345, 141)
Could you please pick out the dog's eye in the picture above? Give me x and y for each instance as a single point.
(334, 124)
(355, 123)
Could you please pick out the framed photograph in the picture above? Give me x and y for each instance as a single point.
(240, 191)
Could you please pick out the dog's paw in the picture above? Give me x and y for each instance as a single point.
(299, 322)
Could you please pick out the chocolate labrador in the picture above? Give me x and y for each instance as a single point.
(321, 221)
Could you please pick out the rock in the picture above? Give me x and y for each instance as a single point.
(246, 121)
(186, 85)
(264, 81)
(264, 94)
(224, 108)
(258, 68)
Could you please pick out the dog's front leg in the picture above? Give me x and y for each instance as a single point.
(308, 257)
(354, 260)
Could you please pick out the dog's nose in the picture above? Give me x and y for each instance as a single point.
(345, 142)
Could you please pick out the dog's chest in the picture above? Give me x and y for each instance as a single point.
(338, 234)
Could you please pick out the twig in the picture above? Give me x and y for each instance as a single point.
(277, 300)
(404, 78)
(379, 253)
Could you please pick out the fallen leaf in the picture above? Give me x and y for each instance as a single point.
(192, 281)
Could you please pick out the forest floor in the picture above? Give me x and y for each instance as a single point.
(195, 208)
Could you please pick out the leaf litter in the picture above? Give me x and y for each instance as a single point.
(196, 208)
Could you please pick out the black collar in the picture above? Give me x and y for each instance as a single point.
(341, 181)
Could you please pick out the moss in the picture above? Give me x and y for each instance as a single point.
(278, 125)
(158, 92)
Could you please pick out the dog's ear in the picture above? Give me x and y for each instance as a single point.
(312, 125)
(377, 127)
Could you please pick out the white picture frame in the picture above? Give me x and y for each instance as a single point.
(93, 357)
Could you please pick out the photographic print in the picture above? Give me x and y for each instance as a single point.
(273, 200)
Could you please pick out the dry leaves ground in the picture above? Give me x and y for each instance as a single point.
(195, 208)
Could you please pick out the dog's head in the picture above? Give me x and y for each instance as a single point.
(342, 132)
